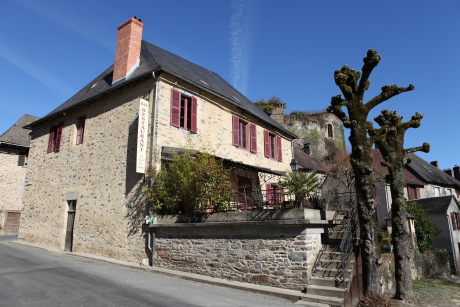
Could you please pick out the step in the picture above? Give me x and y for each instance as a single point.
(326, 291)
(307, 298)
(330, 272)
(327, 281)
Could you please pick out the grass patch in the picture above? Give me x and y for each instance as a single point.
(437, 292)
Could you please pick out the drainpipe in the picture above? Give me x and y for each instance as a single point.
(155, 114)
(151, 234)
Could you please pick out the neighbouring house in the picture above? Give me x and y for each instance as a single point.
(84, 187)
(444, 212)
(436, 181)
(14, 153)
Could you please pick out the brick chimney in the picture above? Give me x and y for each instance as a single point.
(456, 172)
(435, 163)
(128, 52)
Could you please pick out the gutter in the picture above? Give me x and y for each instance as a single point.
(13, 145)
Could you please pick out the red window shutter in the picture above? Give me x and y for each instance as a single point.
(282, 194)
(280, 150)
(51, 140)
(253, 134)
(235, 130)
(194, 115)
(57, 146)
(175, 108)
(417, 193)
(454, 220)
(21, 160)
(266, 143)
(269, 193)
(458, 220)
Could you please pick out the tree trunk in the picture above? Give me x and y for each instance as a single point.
(401, 237)
(361, 161)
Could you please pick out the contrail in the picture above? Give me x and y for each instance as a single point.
(239, 45)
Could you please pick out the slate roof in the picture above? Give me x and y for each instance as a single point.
(429, 173)
(308, 162)
(17, 135)
(436, 204)
(377, 166)
(155, 59)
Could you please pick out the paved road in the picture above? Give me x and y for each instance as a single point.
(34, 277)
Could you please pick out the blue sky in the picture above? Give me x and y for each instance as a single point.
(51, 49)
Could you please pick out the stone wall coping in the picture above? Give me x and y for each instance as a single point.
(304, 222)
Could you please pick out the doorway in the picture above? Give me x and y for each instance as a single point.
(71, 210)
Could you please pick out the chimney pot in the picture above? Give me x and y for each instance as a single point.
(128, 50)
(435, 163)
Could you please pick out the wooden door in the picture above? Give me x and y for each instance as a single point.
(70, 222)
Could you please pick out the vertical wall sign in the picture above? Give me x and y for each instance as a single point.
(142, 134)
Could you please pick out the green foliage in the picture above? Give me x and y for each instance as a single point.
(270, 105)
(314, 136)
(425, 230)
(300, 185)
(191, 182)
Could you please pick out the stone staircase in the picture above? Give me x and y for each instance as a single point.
(327, 284)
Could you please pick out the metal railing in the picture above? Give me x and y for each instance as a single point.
(261, 199)
(348, 241)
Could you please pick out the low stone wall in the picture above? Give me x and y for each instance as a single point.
(430, 264)
(276, 250)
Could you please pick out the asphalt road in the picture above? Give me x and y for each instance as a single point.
(34, 277)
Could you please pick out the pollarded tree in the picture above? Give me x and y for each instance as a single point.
(353, 85)
(389, 139)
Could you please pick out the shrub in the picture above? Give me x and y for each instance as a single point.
(189, 183)
(425, 231)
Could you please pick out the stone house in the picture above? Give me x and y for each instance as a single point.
(14, 153)
(88, 157)
(444, 212)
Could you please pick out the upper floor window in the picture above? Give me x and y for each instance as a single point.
(183, 111)
(413, 192)
(272, 146)
(330, 131)
(80, 130)
(437, 191)
(244, 134)
(54, 140)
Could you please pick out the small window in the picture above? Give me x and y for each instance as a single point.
(183, 111)
(23, 159)
(80, 130)
(306, 148)
(437, 191)
(330, 131)
(54, 140)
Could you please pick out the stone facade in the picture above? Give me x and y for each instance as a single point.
(214, 130)
(99, 174)
(12, 179)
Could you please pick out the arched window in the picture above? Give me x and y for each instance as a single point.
(330, 131)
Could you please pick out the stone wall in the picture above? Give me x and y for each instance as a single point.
(12, 179)
(269, 252)
(313, 129)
